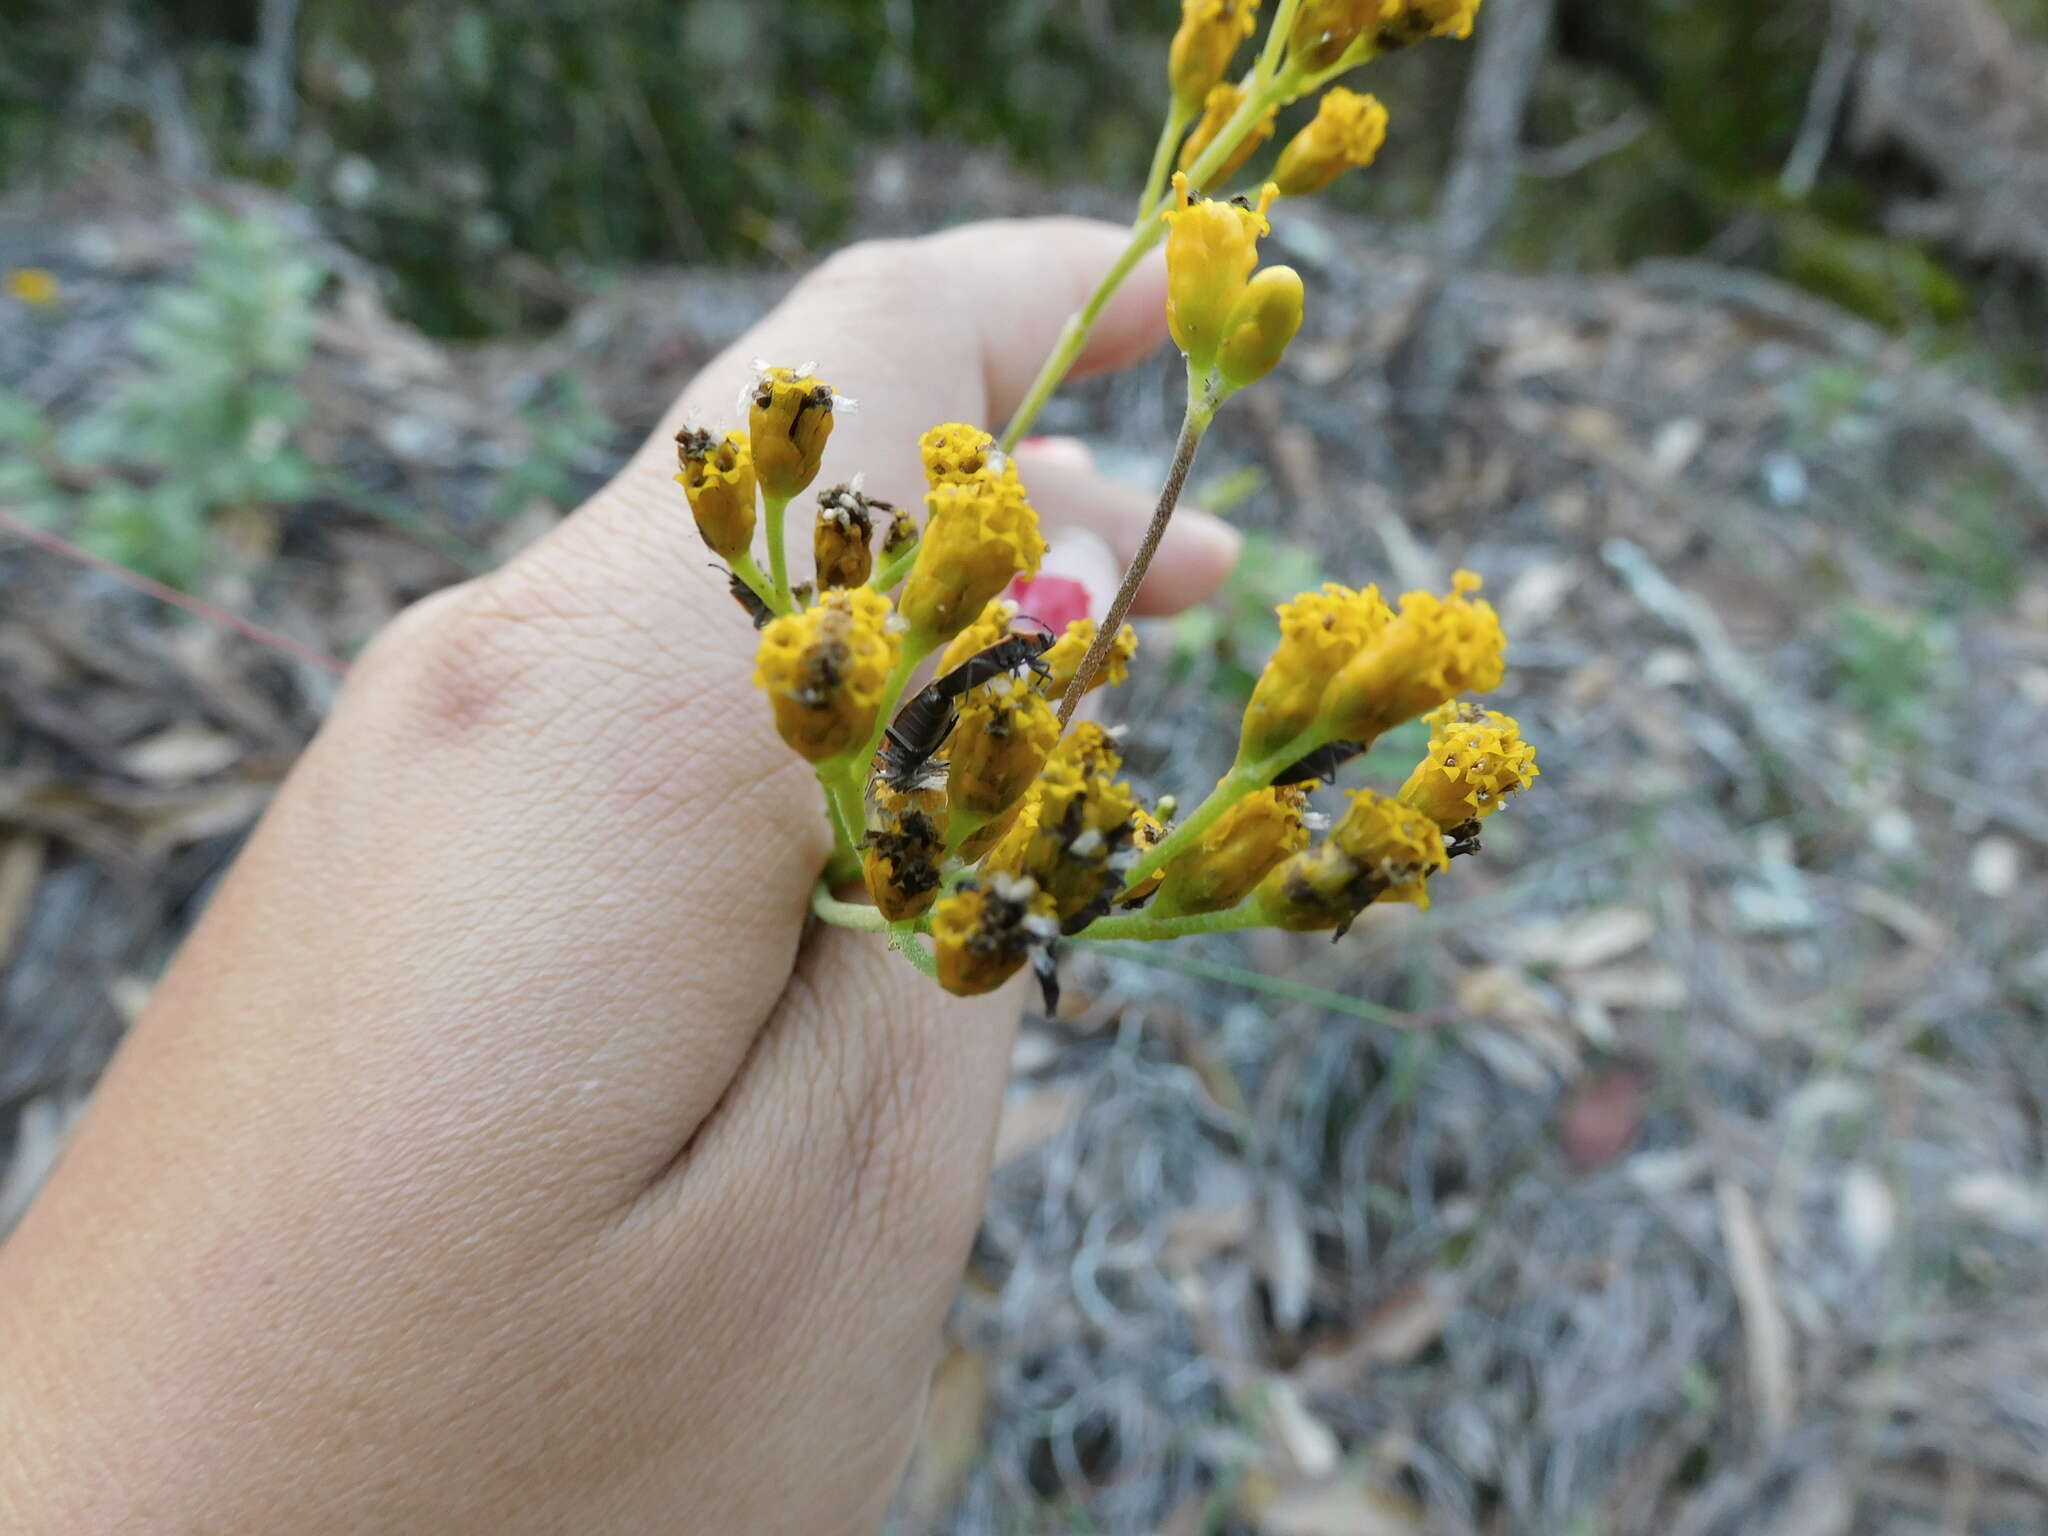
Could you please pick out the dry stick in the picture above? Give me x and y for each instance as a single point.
(284, 644)
(1106, 633)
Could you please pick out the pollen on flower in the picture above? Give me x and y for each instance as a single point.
(954, 451)
(980, 534)
(1432, 650)
(1074, 839)
(1238, 851)
(1064, 659)
(824, 668)
(1380, 850)
(1319, 633)
(1476, 760)
(986, 929)
(1348, 131)
(842, 542)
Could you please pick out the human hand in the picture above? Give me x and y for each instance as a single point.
(500, 1153)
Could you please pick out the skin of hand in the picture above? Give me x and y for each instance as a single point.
(501, 1154)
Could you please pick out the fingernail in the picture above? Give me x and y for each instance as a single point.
(1076, 580)
(1070, 452)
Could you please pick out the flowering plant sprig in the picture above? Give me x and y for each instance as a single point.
(981, 817)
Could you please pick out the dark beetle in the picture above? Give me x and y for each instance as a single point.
(1322, 763)
(747, 598)
(922, 726)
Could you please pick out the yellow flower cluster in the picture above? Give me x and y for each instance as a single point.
(1227, 321)
(980, 534)
(986, 929)
(1007, 730)
(717, 475)
(1476, 760)
(1380, 850)
(1346, 133)
(824, 668)
(1348, 668)
(1208, 39)
(1073, 838)
(1065, 657)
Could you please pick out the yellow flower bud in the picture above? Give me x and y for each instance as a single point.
(1211, 248)
(1410, 21)
(1217, 111)
(1005, 733)
(903, 849)
(992, 627)
(954, 451)
(718, 477)
(902, 531)
(1347, 131)
(1238, 851)
(1074, 839)
(842, 540)
(1064, 659)
(1380, 850)
(980, 535)
(986, 929)
(1259, 329)
(1324, 29)
(1477, 758)
(1433, 650)
(823, 670)
(789, 417)
(1319, 633)
(1208, 39)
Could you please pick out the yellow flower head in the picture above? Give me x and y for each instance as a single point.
(1434, 649)
(980, 535)
(1088, 748)
(1211, 248)
(1074, 839)
(823, 670)
(1147, 833)
(903, 849)
(1410, 21)
(37, 287)
(718, 477)
(842, 540)
(1209, 35)
(789, 417)
(1324, 29)
(1347, 132)
(1064, 659)
(1260, 327)
(1476, 760)
(1380, 850)
(954, 451)
(986, 929)
(1319, 633)
(1218, 109)
(1229, 860)
(991, 628)
(1006, 732)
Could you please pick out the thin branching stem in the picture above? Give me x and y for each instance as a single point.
(778, 556)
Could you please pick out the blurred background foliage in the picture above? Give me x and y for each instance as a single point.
(497, 158)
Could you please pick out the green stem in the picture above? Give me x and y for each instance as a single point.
(1146, 231)
(843, 799)
(778, 557)
(903, 939)
(1143, 925)
(1176, 125)
(846, 914)
(1276, 41)
(893, 570)
(743, 566)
